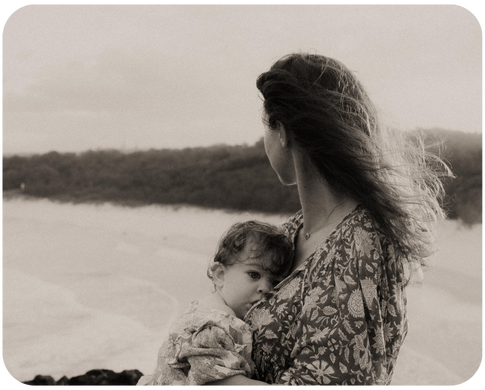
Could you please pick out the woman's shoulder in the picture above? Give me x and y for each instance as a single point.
(362, 244)
(361, 223)
(355, 237)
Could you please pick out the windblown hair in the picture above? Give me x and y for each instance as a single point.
(331, 119)
(267, 241)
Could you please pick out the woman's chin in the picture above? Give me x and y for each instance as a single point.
(286, 181)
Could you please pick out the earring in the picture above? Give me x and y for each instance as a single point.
(284, 147)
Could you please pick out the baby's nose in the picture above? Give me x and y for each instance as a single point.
(265, 286)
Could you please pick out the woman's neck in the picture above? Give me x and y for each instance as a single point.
(323, 209)
(318, 200)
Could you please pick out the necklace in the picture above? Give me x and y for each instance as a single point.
(307, 235)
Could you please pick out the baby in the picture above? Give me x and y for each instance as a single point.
(211, 341)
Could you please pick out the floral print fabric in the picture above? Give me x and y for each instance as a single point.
(203, 346)
(340, 318)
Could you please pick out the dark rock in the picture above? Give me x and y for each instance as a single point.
(41, 380)
(28, 384)
(128, 377)
(64, 381)
(92, 378)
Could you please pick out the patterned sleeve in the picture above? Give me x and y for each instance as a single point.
(214, 354)
(204, 346)
(352, 317)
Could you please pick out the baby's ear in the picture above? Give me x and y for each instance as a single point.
(218, 271)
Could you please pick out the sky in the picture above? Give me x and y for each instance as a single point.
(132, 77)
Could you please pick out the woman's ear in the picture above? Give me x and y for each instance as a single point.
(283, 135)
(218, 271)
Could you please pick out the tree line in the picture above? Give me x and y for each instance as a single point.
(224, 177)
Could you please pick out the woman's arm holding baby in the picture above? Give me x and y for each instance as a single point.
(237, 380)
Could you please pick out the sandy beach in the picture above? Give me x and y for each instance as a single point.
(96, 286)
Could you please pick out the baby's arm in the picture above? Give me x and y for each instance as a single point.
(215, 354)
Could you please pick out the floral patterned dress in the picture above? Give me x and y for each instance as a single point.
(203, 346)
(340, 318)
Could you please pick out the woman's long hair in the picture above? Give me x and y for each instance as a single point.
(332, 120)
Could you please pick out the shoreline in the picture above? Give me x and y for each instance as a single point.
(132, 204)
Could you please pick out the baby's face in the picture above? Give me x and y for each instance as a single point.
(245, 283)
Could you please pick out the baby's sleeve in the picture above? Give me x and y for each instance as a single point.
(216, 351)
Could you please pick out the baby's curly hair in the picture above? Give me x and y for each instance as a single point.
(267, 239)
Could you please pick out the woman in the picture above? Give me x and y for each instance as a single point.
(366, 221)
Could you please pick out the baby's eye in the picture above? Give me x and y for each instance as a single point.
(254, 275)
